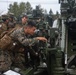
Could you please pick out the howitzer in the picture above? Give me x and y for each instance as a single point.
(68, 41)
(68, 38)
(61, 60)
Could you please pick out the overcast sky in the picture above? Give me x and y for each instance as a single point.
(45, 4)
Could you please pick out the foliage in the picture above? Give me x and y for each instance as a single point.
(28, 8)
(19, 9)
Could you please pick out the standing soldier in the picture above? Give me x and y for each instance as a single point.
(4, 25)
(23, 21)
(5, 60)
(11, 23)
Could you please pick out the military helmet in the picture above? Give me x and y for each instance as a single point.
(4, 17)
(11, 15)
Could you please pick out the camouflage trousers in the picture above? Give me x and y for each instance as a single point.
(5, 60)
(18, 60)
(9, 59)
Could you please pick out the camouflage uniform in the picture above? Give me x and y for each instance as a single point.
(12, 22)
(20, 35)
(4, 24)
(24, 40)
(11, 25)
(5, 60)
(3, 27)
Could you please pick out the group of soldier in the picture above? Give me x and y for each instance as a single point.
(21, 39)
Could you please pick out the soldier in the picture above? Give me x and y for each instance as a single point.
(5, 60)
(4, 25)
(23, 34)
(11, 23)
(23, 21)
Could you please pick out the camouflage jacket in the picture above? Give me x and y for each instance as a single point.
(21, 37)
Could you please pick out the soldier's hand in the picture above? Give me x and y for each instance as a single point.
(42, 39)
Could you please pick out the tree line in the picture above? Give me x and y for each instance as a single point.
(23, 7)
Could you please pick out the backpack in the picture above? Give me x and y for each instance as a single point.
(6, 41)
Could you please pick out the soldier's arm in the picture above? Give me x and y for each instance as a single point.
(31, 41)
(27, 41)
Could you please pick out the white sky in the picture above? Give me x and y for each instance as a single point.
(45, 4)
